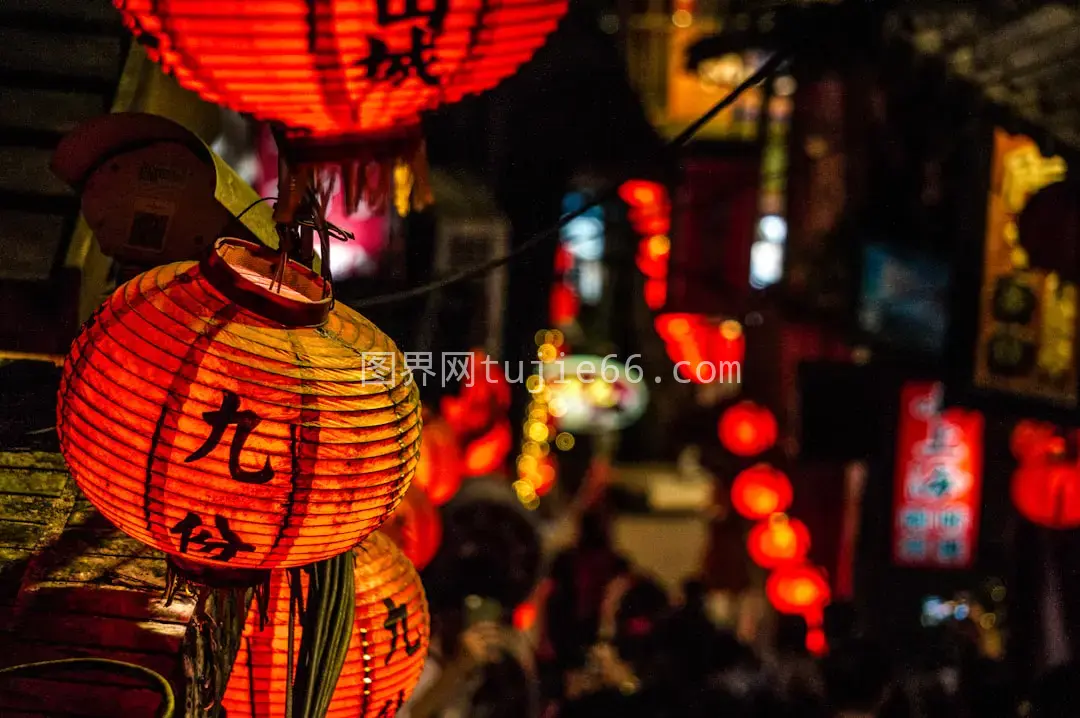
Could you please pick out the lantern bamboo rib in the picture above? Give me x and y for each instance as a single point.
(160, 684)
(320, 462)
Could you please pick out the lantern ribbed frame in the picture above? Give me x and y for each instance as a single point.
(338, 427)
(303, 63)
(368, 680)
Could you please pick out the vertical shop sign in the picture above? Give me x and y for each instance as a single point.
(1026, 342)
(938, 481)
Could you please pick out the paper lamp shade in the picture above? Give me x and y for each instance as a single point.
(778, 541)
(1047, 492)
(439, 470)
(761, 491)
(799, 590)
(389, 643)
(234, 426)
(747, 429)
(340, 67)
(416, 527)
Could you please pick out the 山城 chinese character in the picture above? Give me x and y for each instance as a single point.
(391, 707)
(397, 619)
(229, 544)
(385, 65)
(245, 421)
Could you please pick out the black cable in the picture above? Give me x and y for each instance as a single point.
(254, 204)
(763, 72)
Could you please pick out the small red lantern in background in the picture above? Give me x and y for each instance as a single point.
(565, 305)
(1047, 492)
(816, 643)
(798, 590)
(487, 453)
(481, 401)
(760, 491)
(747, 429)
(439, 471)
(234, 426)
(1031, 440)
(777, 541)
(387, 649)
(705, 350)
(416, 527)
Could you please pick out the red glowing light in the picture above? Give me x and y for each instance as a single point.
(1047, 492)
(761, 491)
(778, 541)
(747, 429)
(798, 590)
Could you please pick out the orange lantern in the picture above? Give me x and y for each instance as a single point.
(416, 527)
(439, 471)
(483, 398)
(235, 426)
(387, 649)
(747, 429)
(487, 453)
(799, 590)
(778, 541)
(760, 491)
(359, 69)
(1047, 492)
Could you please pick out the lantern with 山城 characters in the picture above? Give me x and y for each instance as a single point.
(228, 413)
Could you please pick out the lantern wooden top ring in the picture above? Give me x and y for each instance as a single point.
(230, 424)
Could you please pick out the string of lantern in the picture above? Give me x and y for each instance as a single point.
(777, 543)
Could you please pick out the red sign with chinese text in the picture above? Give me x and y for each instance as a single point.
(938, 481)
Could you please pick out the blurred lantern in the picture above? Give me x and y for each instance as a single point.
(760, 491)
(747, 429)
(704, 350)
(347, 79)
(487, 453)
(234, 426)
(1047, 492)
(439, 471)
(416, 527)
(816, 643)
(564, 305)
(387, 647)
(778, 541)
(799, 590)
(483, 398)
(1031, 440)
(655, 293)
(525, 616)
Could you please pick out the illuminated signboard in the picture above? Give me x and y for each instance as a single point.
(938, 481)
(1026, 343)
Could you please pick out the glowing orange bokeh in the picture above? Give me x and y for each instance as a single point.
(747, 429)
(778, 540)
(761, 491)
(487, 453)
(416, 527)
(1047, 492)
(816, 643)
(439, 471)
(1032, 439)
(798, 590)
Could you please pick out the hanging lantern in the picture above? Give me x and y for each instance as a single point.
(1047, 492)
(416, 527)
(799, 590)
(704, 350)
(564, 305)
(338, 73)
(816, 642)
(1031, 440)
(387, 649)
(778, 541)
(232, 425)
(760, 491)
(747, 429)
(483, 398)
(487, 453)
(439, 471)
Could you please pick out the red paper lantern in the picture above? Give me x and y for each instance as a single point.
(778, 541)
(1047, 492)
(340, 67)
(760, 491)
(389, 643)
(747, 429)
(816, 642)
(564, 305)
(799, 590)
(487, 453)
(416, 527)
(703, 350)
(484, 397)
(439, 471)
(1031, 440)
(234, 426)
